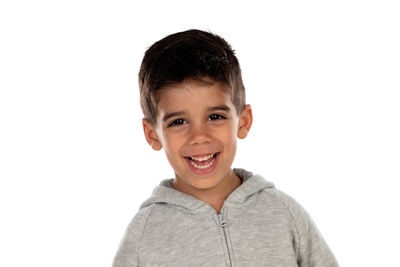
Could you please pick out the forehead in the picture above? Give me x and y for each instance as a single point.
(193, 94)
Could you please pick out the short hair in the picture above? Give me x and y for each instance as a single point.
(188, 55)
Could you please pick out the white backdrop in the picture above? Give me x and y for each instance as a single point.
(322, 77)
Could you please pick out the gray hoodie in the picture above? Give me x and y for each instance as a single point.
(258, 226)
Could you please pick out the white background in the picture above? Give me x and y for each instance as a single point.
(322, 77)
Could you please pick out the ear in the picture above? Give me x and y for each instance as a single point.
(151, 135)
(245, 122)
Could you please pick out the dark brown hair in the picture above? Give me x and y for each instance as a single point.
(188, 55)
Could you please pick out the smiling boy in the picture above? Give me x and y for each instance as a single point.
(197, 125)
(209, 214)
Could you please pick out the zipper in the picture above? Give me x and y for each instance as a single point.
(223, 224)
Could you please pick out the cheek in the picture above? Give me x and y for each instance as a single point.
(233, 128)
(228, 135)
(171, 143)
(171, 150)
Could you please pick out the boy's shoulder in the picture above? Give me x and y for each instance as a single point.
(129, 245)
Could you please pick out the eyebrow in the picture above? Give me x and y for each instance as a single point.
(172, 114)
(221, 107)
(167, 116)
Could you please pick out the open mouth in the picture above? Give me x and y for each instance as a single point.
(203, 164)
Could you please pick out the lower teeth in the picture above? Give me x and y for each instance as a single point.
(203, 167)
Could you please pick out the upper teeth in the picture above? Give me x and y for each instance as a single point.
(204, 158)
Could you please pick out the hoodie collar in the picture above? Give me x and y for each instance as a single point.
(165, 193)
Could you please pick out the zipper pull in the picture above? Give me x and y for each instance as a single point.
(221, 220)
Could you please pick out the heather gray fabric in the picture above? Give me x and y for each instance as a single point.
(259, 226)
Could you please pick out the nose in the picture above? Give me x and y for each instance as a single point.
(199, 134)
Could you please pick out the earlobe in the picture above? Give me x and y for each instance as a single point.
(151, 135)
(245, 122)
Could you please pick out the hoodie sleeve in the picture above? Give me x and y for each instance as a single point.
(127, 254)
(311, 248)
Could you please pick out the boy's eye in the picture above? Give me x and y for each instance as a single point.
(177, 122)
(214, 117)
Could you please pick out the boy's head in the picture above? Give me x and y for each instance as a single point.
(188, 55)
(193, 100)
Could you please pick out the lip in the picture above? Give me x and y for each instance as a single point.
(203, 171)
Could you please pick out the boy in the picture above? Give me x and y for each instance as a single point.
(193, 100)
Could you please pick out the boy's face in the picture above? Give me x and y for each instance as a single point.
(197, 125)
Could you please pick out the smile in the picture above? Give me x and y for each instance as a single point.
(202, 164)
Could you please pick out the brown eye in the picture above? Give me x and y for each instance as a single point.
(177, 122)
(214, 117)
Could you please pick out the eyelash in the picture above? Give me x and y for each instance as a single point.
(212, 117)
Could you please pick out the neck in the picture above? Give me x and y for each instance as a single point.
(215, 196)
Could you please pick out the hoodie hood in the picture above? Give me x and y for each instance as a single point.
(166, 194)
